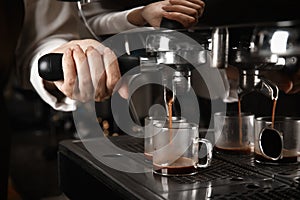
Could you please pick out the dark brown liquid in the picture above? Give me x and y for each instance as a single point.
(240, 121)
(273, 112)
(182, 166)
(240, 116)
(286, 157)
(170, 101)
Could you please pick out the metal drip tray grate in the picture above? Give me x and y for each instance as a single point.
(224, 166)
(228, 177)
(132, 144)
(219, 171)
(286, 173)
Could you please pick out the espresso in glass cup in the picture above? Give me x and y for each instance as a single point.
(233, 132)
(176, 149)
(150, 131)
(277, 142)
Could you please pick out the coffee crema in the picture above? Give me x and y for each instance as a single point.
(182, 166)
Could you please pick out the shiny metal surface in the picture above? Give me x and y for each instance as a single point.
(261, 48)
(228, 177)
(250, 81)
(220, 45)
(283, 41)
(172, 47)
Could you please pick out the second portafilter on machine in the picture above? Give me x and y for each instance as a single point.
(254, 49)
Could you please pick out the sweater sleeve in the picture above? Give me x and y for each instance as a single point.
(108, 21)
(65, 104)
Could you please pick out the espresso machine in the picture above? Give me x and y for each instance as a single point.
(255, 37)
(251, 42)
(265, 40)
(266, 48)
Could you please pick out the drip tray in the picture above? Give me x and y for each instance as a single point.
(287, 173)
(228, 177)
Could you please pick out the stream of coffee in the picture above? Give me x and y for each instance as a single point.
(273, 112)
(240, 121)
(240, 117)
(170, 100)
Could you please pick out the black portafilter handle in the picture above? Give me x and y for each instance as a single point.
(50, 65)
(171, 24)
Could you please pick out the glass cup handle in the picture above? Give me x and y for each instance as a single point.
(271, 143)
(209, 149)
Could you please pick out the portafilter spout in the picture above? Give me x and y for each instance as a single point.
(250, 81)
(178, 54)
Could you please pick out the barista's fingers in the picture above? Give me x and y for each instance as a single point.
(196, 5)
(181, 10)
(122, 87)
(68, 85)
(198, 2)
(97, 73)
(186, 20)
(85, 85)
(112, 69)
(123, 91)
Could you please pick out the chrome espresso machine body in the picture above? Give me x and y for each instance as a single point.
(255, 37)
(252, 36)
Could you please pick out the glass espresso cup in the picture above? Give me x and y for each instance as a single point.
(277, 143)
(233, 132)
(150, 132)
(176, 149)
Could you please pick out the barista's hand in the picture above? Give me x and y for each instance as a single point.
(90, 69)
(186, 12)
